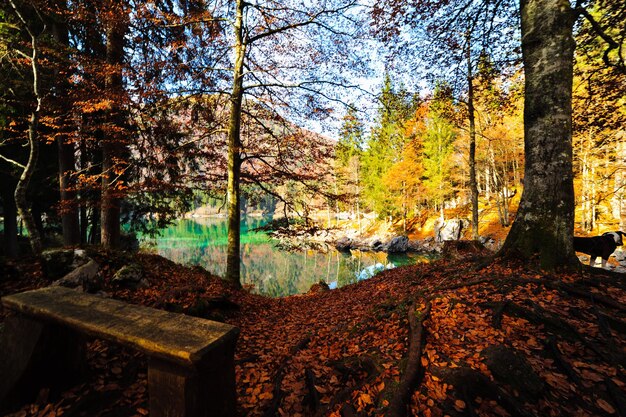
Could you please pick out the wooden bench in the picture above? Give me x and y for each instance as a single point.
(190, 360)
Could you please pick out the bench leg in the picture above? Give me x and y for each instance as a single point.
(205, 391)
(35, 355)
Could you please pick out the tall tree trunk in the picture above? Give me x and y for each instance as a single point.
(545, 219)
(113, 147)
(84, 221)
(618, 202)
(21, 202)
(472, 138)
(9, 212)
(68, 203)
(69, 208)
(234, 155)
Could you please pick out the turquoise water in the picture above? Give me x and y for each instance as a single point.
(267, 269)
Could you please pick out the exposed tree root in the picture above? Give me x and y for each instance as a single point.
(277, 392)
(498, 312)
(618, 277)
(576, 291)
(313, 397)
(473, 383)
(351, 368)
(410, 377)
(465, 284)
(617, 396)
(553, 350)
(556, 325)
(614, 323)
(585, 294)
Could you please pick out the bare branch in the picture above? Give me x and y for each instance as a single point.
(12, 161)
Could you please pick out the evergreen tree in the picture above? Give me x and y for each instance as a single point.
(348, 160)
(385, 145)
(438, 146)
(351, 136)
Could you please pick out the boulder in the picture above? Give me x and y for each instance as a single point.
(319, 287)
(130, 276)
(344, 244)
(398, 244)
(376, 245)
(490, 243)
(59, 262)
(464, 249)
(427, 245)
(84, 275)
(450, 229)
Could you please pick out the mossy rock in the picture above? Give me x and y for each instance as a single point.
(59, 262)
(130, 276)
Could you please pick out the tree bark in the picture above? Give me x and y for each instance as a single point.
(234, 155)
(69, 208)
(472, 138)
(10, 217)
(113, 147)
(545, 220)
(21, 202)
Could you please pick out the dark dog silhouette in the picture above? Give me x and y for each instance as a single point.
(599, 246)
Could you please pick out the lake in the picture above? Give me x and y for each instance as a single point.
(267, 269)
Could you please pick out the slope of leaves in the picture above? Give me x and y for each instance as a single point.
(343, 352)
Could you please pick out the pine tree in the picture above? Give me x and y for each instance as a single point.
(385, 146)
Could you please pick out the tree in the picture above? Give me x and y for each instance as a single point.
(451, 39)
(28, 170)
(598, 106)
(545, 219)
(438, 146)
(348, 154)
(544, 223)
(385, 145)
(114, 148)
(278, 27)
(60, 90)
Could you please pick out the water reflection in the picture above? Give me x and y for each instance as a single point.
(269, 270)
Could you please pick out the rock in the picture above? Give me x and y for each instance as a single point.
(490, 243)
(376, 245)
(398, 244)
(344, 244)
(450, 230)
(464, 249)
(512, 368)
(428, 245)
(319, 287)
(620, 256)
(130, 276)
(59, 262)
(212, 308)
(83, 276)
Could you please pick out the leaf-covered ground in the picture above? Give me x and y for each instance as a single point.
(497, 340)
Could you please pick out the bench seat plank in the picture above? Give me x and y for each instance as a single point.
(174, 337)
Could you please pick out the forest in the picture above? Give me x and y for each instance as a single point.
(120, 118)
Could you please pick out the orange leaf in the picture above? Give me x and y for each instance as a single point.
(605, 406)
(459, 404)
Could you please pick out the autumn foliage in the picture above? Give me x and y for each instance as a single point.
(343, 352)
